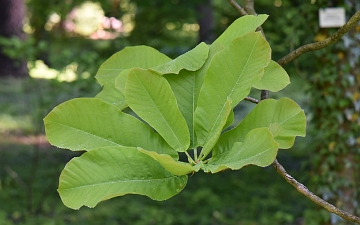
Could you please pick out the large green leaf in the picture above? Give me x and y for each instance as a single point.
(274, 79)
(109, 172)
(120, 80)
(129, 57)
(230, 120)
(113, 96)
(215, 131)
(175, 167)
(258, 148)
(232, 78)
(241, 26)
(150, 96)
(89, 123)
(186, 87)
(283, 117)
(191, 60)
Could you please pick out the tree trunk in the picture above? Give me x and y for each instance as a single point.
(12, 14)
(206, 22)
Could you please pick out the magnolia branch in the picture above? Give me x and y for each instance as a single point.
(321, 44)
(250, 99)
(238, 7)
(305, 191)
(249, 7)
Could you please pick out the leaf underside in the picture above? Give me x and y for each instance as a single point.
(150, 96)
(190, 61)
(283, 117)
(175, 167)
(115, 171)
(274, 79)
(89, 123)
(258, 148)
(239, 27)
(231, 79)
(186, 87)
(113, 96)
(129, 57)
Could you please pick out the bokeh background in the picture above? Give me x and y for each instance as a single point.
(51, 50)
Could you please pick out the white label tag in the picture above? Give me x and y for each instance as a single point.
(332, 17)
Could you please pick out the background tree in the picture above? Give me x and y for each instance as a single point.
(12, 14)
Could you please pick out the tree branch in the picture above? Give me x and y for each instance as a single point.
(249, 7)
(250, 99)
(238, 7)
(305, 191)
(264, 94)
(321, 44)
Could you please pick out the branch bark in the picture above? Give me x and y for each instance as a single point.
(321, 44)
(305, 191)
(238, 7)
(250, 99)
(249, 7)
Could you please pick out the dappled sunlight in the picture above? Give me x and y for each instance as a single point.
(40, 70)
(13, 124)
(84, 19)
(89, 20)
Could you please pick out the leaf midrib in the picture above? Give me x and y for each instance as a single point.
(167, 124)
(289, 118)
(232, 89)
(120, 181)
(86, 132)
(258, 154)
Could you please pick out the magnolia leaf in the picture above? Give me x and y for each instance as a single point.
(276, 129)
(120, 80)
(214, 133)
(175, 167)
(109, 172)
(233, 78)
(230, 119)
(275, 78)
(150, 96)
(89, 123)
(241, 26)
(186, 87)
(258, 148)
(113, 96)
(283, 117)
(191, 60)
(129, 57)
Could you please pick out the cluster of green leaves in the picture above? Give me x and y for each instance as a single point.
(180, 104)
